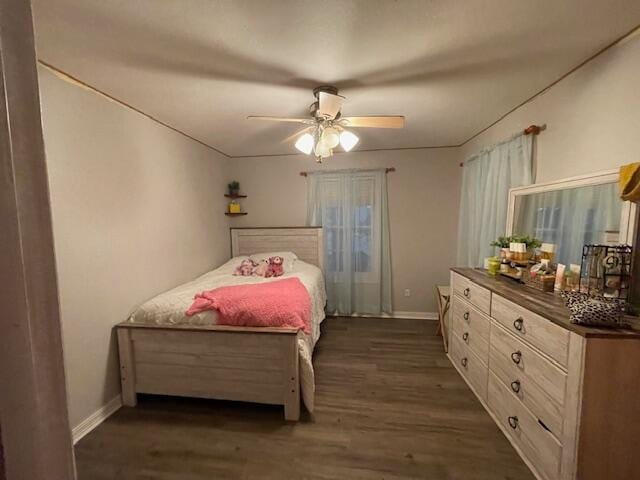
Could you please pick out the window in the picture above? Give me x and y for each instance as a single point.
(351, 207)
(349, 225)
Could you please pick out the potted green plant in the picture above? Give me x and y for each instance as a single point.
(503, 244)
(234, 188)
(531, 242)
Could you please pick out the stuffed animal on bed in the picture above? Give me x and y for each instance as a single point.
(275, 267)
(246, 268)
(261, 268)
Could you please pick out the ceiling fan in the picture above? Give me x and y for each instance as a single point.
(326, 127)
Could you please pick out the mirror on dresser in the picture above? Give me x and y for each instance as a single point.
(571, 213)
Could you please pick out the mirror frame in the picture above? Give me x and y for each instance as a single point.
(627, 214)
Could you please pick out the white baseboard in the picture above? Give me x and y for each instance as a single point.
(398, 314)
(96, 418)
(416, 315)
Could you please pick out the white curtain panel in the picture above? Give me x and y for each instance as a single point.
(351, 206)
(486, 180)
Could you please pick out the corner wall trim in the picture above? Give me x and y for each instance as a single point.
(96, 418)
(66, 77)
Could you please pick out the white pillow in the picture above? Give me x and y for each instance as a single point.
(289, 258)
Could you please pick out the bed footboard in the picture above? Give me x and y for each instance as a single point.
(227, 363)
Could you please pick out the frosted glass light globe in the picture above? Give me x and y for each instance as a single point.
(348, 140)
(322, 150)
(305, 143)
(330, 137)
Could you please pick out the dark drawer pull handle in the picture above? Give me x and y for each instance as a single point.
(518, 323)
(544, 426)
(516, 357)
(466, 292)
(513, 422)
(466, 316)
(515, 386)
(464, 362)
(465, 336)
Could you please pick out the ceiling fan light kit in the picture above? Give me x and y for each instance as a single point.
(348, 140)
(305, 143)
(327, 125)
(330, 137)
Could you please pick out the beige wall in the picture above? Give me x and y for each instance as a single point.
(592, 117)
(137, 209)
(423, 209)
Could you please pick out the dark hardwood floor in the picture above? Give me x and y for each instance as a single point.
(389, 405)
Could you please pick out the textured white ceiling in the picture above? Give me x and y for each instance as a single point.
(202, 66)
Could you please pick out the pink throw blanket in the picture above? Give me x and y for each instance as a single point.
(281, 303)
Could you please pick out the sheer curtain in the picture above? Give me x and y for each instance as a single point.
(351, 206)
(486, 180)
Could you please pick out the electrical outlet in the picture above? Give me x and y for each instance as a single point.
(407, 292)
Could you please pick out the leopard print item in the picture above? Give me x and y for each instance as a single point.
(594, 311)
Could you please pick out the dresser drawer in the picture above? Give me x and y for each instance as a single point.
(530, 377)
(470, 365)
(536, 443)
(534, 329)
(472, 327)
(475, 294)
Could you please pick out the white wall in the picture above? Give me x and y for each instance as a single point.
(592, 117)
(423, 209)
(137, 209)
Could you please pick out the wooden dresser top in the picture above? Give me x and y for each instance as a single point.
(548, 305)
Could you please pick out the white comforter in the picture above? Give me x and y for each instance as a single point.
(168, 309)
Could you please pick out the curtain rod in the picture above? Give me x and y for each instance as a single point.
(387, 170)
(530, 130)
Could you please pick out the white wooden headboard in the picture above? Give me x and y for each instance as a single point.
(305, 242)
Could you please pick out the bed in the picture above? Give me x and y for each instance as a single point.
(162, 351)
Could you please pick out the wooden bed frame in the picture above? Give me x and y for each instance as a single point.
(220, 362)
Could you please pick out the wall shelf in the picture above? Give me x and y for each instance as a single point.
(237, 214)
(234, 196)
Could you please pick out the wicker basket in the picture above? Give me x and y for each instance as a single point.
(544, 283)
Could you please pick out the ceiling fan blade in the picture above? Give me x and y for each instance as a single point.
(388, 121)
(306, 121)
(297, 134)
(329, 105)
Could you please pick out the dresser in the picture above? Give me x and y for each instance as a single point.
(567, 397)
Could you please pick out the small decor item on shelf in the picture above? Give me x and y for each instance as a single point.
(541, 277)
(234, 188)
(606, 271)
(559, 284)
(547, 251)
(572, 278)
(523, 247)
(493, 266)
(518, 251)
(234, 207)
(503, 244)
(595, 311)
